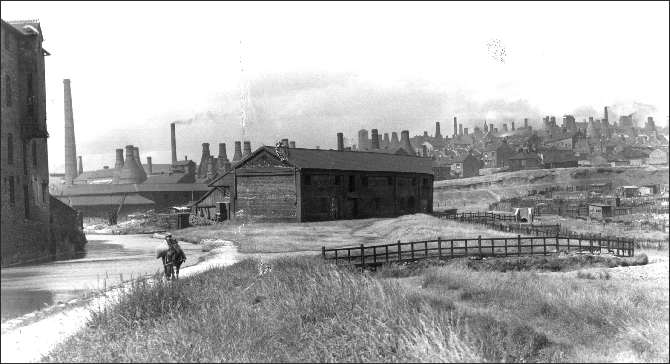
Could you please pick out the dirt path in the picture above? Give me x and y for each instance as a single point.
(29, 342)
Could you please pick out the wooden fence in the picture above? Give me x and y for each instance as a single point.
(478, 247)
(501, 222)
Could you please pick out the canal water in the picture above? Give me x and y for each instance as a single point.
(108, 260)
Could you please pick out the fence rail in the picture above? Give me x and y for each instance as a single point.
(480, 247)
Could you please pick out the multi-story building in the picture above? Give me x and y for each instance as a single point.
(25, 173)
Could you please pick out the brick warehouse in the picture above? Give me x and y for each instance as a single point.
(297, 185)
(26, 204)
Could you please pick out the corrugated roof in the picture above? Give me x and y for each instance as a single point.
(102, 200)
(97, 174)
(353, 161)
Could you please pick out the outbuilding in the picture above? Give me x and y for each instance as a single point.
(298, 184)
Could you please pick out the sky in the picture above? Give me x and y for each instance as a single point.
(306, 71)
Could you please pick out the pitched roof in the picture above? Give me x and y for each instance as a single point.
(97, 174)
(558, 156)
(97, 200)
(109, 189)
(350, 161)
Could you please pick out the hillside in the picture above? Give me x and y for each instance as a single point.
(476, 193)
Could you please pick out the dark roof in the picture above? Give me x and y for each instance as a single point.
(302, 158)
(558, 156)
(20, 26)
(97, 174)
(158, 168)
(183, 163)
(166, 178)
(522, 155)
(97, 200)
(109, 189)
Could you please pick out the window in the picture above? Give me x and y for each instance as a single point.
(10, 148)
(8, 91)
(389, 180)
(34, 152)
(26, 201)
(352, 183)
(364, 181)
(45, 191)
(308, 180)
(338, 180)
(12, 196)
(414, 181)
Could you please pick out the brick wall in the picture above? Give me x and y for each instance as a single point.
(25, 222)
(266, 197)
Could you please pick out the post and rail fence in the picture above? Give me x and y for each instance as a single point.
(480, 247)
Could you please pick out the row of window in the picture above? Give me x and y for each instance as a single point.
(366, 181)
(10, 151)
(9, 94)
(41, 193)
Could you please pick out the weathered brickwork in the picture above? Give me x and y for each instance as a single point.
(25, 198)
(267, 197)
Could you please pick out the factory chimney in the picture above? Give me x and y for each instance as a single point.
(204, 159)
(247, 148)
(150, 166)
(70, 146)
(394, 139)
(606, 117)
(386, 141)
(119, 159)
(238, 151)
(80, 167)
(512, 125)
(465, 131)
(136, 156)
(291, 144)
(363, 141)
(340, 142)
(375, 139)
(505, 127)
(405, 144)
(173, 143)
(525, 122)
(284, 142)
(455, 127)
(131, 172)
(460, 129)
(437, 130)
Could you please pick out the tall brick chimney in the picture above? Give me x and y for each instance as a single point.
(284, 142)
(405, 144)
(70, 145)
(173, 143)
(525, 122)
(512, 125)
(455, 127)
(465, 131)
(247, 148)
(363, 141)
(119, 159)
(150, 166)
(340, 142)
(606, 116)
(460, 129)
(80, 166)
(437, 130)
(238, 151)
(375, 139)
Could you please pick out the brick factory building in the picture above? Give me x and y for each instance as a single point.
(34, 227)
(297, 185)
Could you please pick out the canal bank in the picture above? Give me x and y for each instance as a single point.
(27, 338)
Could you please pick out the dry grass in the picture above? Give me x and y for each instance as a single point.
(611, 229)
(287, 237)
(307, 311)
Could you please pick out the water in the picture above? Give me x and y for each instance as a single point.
(108, 258)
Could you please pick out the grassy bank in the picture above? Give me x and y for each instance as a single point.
(612, 229)
(306, 310)
(287, 237)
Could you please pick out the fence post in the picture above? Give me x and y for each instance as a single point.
(505, 246)
(465, 243)
(362, 255)
(374, 255)
(323, 252)
(411, 245)
(451, 247)
(518, 245)
(399, 252)
(439, 248)
(335, 256)
(544, 245)
(558, 247)
(479, 245)
(386, 253)
(618, 251)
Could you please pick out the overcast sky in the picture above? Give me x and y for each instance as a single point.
(305, 71)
